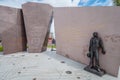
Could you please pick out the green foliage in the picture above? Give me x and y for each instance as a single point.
(49, 46)
(117, 2)
(1, 48)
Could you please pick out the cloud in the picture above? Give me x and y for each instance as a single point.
(55, 3)
(59, 3)
(95, 3)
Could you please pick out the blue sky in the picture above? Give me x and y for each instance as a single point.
(95, 3)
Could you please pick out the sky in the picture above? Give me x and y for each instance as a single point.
(58, 3)
(55, 3)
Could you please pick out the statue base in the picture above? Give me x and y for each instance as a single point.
(94, 71)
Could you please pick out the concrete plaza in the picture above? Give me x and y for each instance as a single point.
(44, 66)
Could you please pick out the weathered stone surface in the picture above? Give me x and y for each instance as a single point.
(74, 28)
(12, 30)
(37, 18)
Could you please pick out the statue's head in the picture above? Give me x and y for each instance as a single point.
(95, 34)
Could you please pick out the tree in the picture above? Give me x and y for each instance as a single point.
(117, 2)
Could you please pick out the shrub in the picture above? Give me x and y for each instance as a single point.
(1, 48)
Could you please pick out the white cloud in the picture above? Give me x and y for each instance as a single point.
(55, 3)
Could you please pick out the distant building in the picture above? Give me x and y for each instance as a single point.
(50, 38)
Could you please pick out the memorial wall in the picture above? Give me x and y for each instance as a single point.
(12, 32)
(37, 19)
(74, 27)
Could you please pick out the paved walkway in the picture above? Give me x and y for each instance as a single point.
(45, 66)
(1, 53)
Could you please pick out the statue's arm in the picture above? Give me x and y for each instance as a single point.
(102, 46)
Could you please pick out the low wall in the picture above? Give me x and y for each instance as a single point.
(74, 27)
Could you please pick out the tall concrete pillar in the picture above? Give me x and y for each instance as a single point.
(37, 19)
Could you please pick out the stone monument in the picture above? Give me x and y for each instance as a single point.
(12, 31)
(37, 19)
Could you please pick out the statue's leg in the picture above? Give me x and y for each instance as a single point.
(97, 66)
(91, 64)
(97, 58)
